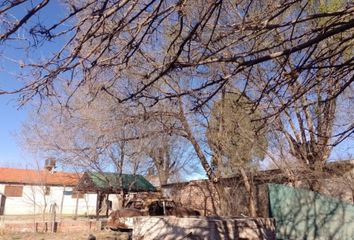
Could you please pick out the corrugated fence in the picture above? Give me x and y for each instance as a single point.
(302, 214)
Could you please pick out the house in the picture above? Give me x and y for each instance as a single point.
(108, 188)
(26, 191)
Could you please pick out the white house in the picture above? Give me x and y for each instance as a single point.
(28, 192)
(25, 191)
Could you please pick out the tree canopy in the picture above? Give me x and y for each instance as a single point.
(136, 46)
(167, 61)
(234, 138)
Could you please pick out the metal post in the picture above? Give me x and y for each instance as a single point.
(164, 207)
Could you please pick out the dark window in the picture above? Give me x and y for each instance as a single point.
(68, 193)
(13, 191)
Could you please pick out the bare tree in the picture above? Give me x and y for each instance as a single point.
(210, 42)
(191, 37)
(171, 158)
(91, 136)
(104, 135)
(309, 125)
(182, 54)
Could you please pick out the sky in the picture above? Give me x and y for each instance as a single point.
(12, 117)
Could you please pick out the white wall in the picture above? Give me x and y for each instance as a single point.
(117, 201)
(33, 201)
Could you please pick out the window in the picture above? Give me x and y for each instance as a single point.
(68, 193)
(13, 191)
(77, 194)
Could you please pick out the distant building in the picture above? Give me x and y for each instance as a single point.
(337, 178)
(27, 192)
(108, 187)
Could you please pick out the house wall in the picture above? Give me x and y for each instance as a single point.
(117, 201)
(34, 201)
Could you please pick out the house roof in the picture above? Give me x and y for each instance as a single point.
(109, 182)
(38, 177)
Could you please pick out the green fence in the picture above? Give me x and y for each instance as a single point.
(302, 214)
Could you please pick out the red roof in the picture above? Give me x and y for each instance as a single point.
(38, 177)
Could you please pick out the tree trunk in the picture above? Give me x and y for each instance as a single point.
(98, 199)
(223, 200)
(316, 180)
(190, 137)
(250, 190)
(163, 177)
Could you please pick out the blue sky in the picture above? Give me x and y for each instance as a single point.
(10, 123)
(11, 116)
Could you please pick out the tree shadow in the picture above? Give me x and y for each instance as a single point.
(302, 214)
(195, 228)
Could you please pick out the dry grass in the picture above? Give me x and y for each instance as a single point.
(47, 217)
(64, 236)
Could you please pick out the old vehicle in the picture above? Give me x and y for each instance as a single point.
(122, 219)
(136, 204)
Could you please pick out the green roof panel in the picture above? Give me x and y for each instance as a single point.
(111, 181)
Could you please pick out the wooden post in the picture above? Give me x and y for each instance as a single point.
(107, 204)
(76, 205)
(2, 203)
(98, 205)
(62, 204)
(53, 211)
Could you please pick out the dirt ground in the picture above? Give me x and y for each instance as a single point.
(64, 236)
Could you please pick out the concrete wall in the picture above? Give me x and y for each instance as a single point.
(203, 228)
(34, 201)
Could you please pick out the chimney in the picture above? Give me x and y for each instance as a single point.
(49, 164)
